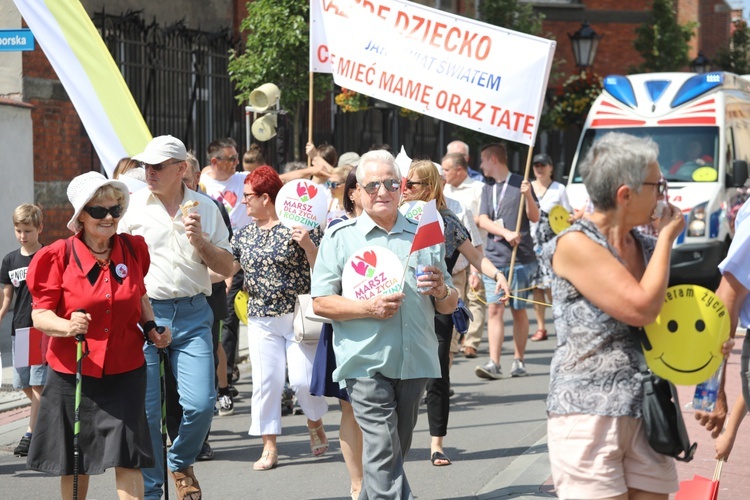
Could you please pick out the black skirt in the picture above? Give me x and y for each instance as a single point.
(113, 427)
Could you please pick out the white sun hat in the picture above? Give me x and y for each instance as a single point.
(82, 189)
(161, 149)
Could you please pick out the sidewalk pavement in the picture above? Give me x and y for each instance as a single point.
(735, 480)
(497, 440)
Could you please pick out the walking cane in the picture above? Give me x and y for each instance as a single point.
(163, 382)
(80, 354)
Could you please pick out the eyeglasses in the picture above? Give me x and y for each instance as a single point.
(333, 184)
(159, 166)
(228, 158)
(411, 184)
(247, 196)
(373, 187)
(661, 186)
(98, 212)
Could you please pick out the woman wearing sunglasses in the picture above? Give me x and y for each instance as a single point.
(276, 261)
(92, 284)
(335, 185)
(550, 194)
(423, 183)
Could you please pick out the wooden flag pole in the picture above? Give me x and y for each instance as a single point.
(521, 208)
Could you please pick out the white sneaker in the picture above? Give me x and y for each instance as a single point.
(518, 369)
(489, 370)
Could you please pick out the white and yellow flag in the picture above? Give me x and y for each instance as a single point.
(440, 64)
(90, 77)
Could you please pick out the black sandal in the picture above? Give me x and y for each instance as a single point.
(439, 456)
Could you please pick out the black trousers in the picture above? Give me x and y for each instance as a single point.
(438, 401)
(230, 335)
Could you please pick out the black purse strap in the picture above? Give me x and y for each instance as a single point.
(649, 379)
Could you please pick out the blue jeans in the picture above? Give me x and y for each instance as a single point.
(191, 356)
(521, 286)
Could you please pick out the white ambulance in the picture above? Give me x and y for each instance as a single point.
(702, 125)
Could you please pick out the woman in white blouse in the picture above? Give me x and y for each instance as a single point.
(550, 193)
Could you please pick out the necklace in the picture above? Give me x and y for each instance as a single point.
(97, 252)
(103, 263)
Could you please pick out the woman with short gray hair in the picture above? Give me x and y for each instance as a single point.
(616, 160)
(608, 277)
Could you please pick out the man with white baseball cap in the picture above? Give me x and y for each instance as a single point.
(184, 245)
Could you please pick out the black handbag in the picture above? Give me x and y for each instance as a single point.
(662, 416)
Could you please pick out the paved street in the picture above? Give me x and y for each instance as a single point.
(497, 440)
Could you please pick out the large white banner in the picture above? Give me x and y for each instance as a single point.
(446, 66)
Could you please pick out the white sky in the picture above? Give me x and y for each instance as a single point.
(744, 3)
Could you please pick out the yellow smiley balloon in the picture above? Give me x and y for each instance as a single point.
(558, 219)
(686, 338)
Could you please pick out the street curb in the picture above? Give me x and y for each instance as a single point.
(10, 398)
(14, 404)
(523, 478)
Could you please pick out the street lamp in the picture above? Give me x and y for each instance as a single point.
(700, 64)
(585, 41)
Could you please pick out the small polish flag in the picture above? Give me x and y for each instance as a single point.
(28, 347)
(430, 228)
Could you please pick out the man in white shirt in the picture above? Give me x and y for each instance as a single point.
(462, 148)
(182, 247)
(734, 291)
(468, 192)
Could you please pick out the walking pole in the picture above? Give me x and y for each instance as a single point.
(80, 354)
(163, 381)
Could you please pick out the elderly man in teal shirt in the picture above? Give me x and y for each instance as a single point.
(385, 346)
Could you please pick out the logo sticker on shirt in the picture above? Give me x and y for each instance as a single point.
(121, 270)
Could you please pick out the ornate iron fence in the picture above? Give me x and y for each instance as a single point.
(178, 78)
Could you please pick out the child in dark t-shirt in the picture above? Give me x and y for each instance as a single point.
(27, 220)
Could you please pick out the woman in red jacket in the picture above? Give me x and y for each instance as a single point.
(101, 273)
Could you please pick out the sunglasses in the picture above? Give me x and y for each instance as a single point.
(228, 158)
(98, 212)
(411, 184)
(661, 186)
(159, 166)
(333, 184)
(391, 185)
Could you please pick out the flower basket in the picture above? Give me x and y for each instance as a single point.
(572, 102)
(350, 101)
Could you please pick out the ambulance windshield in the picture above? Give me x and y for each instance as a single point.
(686, 154)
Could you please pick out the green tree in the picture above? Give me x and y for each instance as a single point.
(277, 50)
(662, 41)
(513, 15)
(736, 56)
